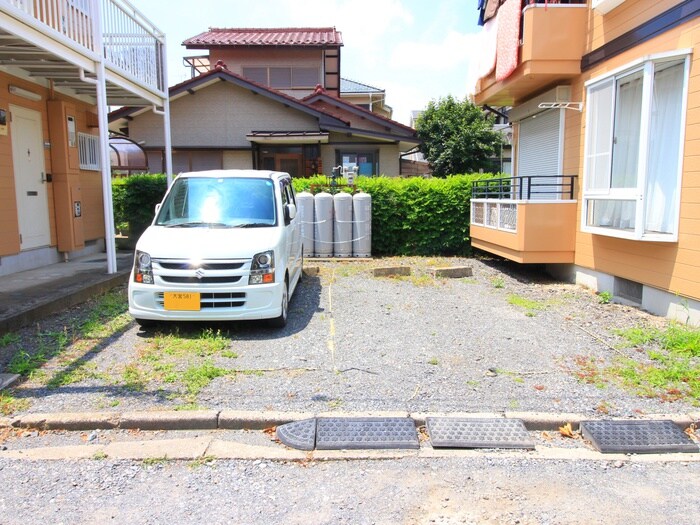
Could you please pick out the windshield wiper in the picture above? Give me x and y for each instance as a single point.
(254, 225)
(197, 224)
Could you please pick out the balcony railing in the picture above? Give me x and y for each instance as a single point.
(525, 219)
(129, 41)
(525, 188)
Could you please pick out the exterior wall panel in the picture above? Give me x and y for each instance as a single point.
(674, 267)
(219, 117)
(92, 207)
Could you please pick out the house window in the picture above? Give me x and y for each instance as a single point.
(634, 145)
(89, 151)
(366, 161)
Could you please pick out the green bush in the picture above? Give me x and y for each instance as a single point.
(135, 198)
(413, 216)
(416, 216)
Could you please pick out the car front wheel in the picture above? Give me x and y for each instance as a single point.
(281, 321)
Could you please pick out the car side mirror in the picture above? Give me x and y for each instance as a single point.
(290, 211)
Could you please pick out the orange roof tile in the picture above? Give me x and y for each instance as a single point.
(280, 36)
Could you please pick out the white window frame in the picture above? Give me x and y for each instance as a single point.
(636, 194)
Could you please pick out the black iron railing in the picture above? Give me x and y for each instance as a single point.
(525, 188)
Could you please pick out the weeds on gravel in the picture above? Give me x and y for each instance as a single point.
(48, 345)
(531, 307)
(9, 404)
(76, 374)
(672, 371)
(108, 317)
(498, 282)
(605, 297)
(202, 344)
(201, 462)
(8, 339)
(195, 378)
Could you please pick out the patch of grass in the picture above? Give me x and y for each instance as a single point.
(531, 307)
(47, 344)
(200, 462)
(134, 378)
(8, 339)
(589, 370)
(676, 339)
(229, 354)
(100, 455)
(433, 361)
(498, 282)
(202, 344)
(76, 374)
(605, 297)
(9, 404)
(24, 363)
(670, 378)
(197, 377)
(107, 317)
(672, 371)
(188, 406)
(149, 462)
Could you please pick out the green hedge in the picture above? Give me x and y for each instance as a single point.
(416, 216)
(413, 216)
(135, 199)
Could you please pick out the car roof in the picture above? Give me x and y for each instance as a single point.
(248, 174)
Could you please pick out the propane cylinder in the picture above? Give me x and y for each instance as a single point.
(362, 225)
(305, 205)
(342, 225)
(323, 225)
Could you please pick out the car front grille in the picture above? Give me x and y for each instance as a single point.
(210, 301)
(204, 280)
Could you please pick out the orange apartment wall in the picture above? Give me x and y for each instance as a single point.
(674, 267)
(91, 181)
(629, 15)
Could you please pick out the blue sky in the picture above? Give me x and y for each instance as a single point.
(416, 50)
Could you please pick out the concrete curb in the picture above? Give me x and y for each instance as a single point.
(37, 312)
(248, 420)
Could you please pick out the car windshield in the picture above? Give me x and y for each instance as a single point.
(223, 202)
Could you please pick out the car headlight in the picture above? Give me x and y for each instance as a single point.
(262, 269)
(143, 269)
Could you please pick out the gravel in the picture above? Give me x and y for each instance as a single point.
(360, 343)
(410, 491)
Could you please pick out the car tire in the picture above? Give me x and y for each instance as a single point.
(281, 321)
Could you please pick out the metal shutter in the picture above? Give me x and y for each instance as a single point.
(538, 150)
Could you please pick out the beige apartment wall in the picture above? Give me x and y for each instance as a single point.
(673, 267)
(219, 115)
(238, 160)
(236, 59)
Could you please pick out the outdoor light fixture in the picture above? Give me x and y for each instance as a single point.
(24, 93)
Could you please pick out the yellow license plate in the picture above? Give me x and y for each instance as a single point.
(181, 301)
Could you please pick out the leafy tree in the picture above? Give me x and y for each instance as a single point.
(457, 137)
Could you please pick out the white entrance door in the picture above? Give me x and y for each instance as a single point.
(30, 185)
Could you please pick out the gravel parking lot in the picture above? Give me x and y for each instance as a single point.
(504, 339)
